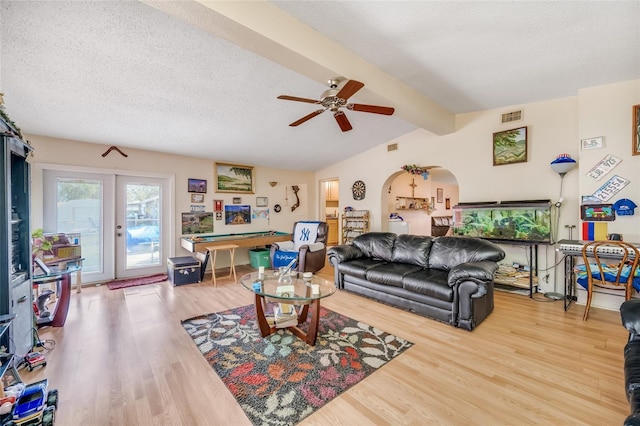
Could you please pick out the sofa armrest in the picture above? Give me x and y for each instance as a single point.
(630, 314)
(479, 272)
(344, 253)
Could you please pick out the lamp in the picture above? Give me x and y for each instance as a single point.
(562, 165)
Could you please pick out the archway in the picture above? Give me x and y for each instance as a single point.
(420, 202)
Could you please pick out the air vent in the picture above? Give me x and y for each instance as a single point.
(512, 116)
(392, 147)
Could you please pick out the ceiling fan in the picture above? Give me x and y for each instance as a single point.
(334, 99)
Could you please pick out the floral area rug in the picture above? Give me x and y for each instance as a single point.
(279, 379)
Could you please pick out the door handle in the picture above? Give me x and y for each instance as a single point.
(22, 299)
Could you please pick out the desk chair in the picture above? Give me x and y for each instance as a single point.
(615, 268)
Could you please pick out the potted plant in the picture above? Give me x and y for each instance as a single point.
(40, 245)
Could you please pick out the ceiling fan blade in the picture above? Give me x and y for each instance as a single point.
(343, 121)
(349, 89)
(371, 108)
(294, 98)
(307, 117)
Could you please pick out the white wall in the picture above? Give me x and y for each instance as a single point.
(88, 157)
(554, 127)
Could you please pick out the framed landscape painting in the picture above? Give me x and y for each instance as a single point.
(510, 146)
(234, 178)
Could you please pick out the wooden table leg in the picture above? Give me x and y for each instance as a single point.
(312, 334)
(265, 328)
(232, 266)
(213, 268)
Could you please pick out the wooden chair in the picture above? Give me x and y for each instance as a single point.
(615, 266)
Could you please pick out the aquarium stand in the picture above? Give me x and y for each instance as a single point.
(533, 259)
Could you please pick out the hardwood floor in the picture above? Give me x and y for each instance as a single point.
(123, 358)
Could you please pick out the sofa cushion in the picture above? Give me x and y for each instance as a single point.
(378, 245)
(447, 252)
(390, 273)
(412, 249)
(430, 282)
(358, 267)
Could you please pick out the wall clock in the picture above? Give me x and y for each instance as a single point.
(359, 190)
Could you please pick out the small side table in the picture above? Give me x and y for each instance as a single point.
(232, 268)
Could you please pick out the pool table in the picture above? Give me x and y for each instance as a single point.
(247, 239)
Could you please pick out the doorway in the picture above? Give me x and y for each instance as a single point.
(329, 205)
(123, 221)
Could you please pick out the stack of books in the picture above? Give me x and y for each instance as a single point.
(287, 318)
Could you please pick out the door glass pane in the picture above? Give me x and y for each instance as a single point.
(143, 225)
(79, 211)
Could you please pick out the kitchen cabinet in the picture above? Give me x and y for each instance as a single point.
(332, 235)
(331, 190)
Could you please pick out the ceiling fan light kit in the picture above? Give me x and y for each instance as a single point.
(334, 99)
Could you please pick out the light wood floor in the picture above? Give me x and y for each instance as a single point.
(124, 359)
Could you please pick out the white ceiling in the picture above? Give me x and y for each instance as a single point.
(201, 78)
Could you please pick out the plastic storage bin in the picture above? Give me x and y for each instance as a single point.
(183, 270)
(259, 257)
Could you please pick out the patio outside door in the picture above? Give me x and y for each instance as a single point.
(124, 231)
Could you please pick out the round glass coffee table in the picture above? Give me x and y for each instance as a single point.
(293, 295)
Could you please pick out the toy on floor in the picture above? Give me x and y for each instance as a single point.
(35, 359)
(36, 405)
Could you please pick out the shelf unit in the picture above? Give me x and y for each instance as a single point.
(354, 223)
(15, 241)
(413, 203)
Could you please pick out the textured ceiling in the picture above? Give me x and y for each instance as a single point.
(201, 79)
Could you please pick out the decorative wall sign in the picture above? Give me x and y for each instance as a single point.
(262, 201)
(593, 143)
(358, 190)
(218, 215)
(217, 205)
(597, 212)
(277, 208)
(197, 208)
(611, 188)
(603, 167)
(237, 200)
(197, 198)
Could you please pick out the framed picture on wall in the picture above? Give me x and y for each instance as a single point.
(447, 203)
(440, 195)
(262, 201)
(510, 146)
(636, 130)
(197, 185)
(233, 178)
(197, 198)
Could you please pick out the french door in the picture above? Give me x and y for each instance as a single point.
(123, 222)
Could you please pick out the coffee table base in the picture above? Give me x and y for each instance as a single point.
(309, 337)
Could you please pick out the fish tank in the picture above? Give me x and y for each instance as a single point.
(512, 221)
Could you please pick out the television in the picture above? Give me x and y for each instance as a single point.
(509, 221)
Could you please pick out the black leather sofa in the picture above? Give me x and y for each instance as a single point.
(449, 279)
(630, 313)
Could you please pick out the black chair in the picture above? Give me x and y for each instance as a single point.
(204, 260)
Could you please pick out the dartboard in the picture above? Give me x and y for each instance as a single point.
(358, 189)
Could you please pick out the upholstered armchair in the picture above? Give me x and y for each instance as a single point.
(308, 247)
